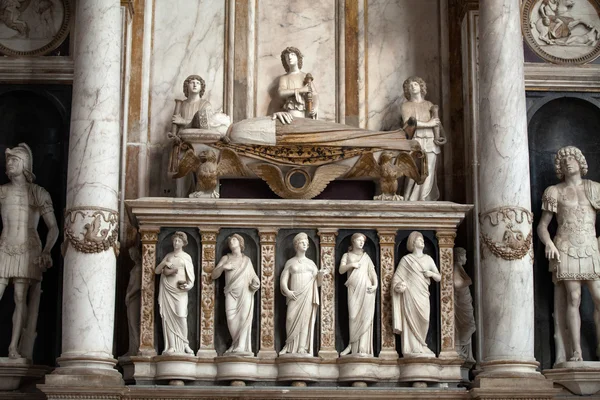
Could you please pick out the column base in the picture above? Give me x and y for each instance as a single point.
(530, 388)
(85, 371)
(328, 354)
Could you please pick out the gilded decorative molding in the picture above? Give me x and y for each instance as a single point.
(327, 240)
(387, 243)
(515, 223)
(149, 239)
(92, 229)
(207, 299)
(267, 288)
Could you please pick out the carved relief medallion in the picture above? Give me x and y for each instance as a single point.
(33, 27)
(562, 31)
(507, 232)
(92, 229)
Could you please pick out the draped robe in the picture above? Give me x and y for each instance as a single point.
(411, 308)
(361, 305)
(239, 304)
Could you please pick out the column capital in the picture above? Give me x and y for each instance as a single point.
(446, 238)
(327, 236)
(387, 236)
(267, 235)
(149, 234)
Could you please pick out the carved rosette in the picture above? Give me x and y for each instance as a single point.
(446, 246)
(92, 229)
(149, 239)
(328, 291)
(507, 232)
(386, 244)
(267, 290)
(207, 299)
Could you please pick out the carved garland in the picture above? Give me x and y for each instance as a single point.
(447, 299)
(149, 240)
(514, 245)
(267, 287)
(207, 308)
(92, 229)
(328, 291)
(387, 272)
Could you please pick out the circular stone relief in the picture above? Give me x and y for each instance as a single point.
(562, 31)
(33, 27)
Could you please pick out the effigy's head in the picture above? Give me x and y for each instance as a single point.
(412, 239)
(19, 160)
(566, 154)
(237, 237)
(299, 239)
(460, 255)
(406, 86)
(194, 83)
(182, 236)
(285, 58)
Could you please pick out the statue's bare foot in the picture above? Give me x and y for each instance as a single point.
(576, 356)
(13, 353)
(301, 350)
(346, 351)
(188, 350)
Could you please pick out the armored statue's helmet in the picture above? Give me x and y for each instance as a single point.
(23, 152)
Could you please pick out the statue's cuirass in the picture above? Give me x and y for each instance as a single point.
(19, 219)
(576, 222)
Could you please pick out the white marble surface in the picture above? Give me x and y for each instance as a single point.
(507, 286)
(188, 38)
(93, 178)
(394, 28)
(307, 25)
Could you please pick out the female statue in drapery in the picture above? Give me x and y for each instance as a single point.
(362, 287)
(410, 297)
(428, 134)
(176, 279)
(464, 318)
(241, 282)
(300, 280)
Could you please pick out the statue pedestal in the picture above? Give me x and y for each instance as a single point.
(579, 377)
(298, 368)
(429, 369)
(237, 367)
(358, 369)
(16, 371)
(176, 367)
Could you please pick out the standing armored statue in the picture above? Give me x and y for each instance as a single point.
(410, 297)
(429, 135)
(22, 259)
(300, 281)
(464, 317)
(362, 288)
(573, 253)
(296, 89)
(241, 282)
(176, 279)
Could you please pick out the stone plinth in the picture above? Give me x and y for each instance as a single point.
(15, 372)
(579, 377)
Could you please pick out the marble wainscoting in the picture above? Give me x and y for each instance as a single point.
(309, 26)
(267, 217)
(392, 56)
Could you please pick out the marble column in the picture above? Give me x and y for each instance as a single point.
(504, 195)
(387, 243)
(207, 297)
(327, 349)
(89, 278)
(268, 237)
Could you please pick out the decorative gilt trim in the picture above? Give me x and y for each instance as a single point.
(446, 245)
(327, 239)
(207, 299)
(149, 239)
(387, 240)
(514, 245)
(268, 238)
(92, 229)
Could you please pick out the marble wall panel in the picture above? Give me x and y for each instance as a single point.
(403, 39)
(307, 25)
(188, 38)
